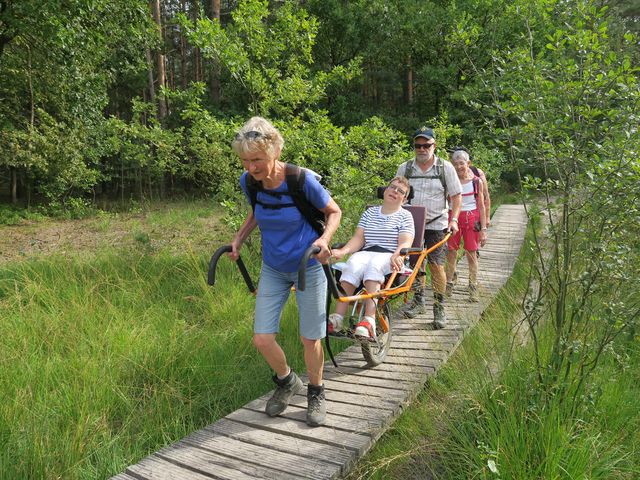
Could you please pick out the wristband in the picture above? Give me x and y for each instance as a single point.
(454, 219)
(484, 228)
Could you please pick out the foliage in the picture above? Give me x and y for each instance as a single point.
(569, 113)
(269, 55)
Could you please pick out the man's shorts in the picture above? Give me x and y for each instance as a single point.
(439, 255)
(274, 289)
(466, 232)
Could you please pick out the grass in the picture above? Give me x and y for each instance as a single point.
(107, 359)
(481, 417)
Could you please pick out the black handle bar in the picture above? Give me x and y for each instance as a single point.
(211, 277)
(302, 272)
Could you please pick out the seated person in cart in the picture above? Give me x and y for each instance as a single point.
(382, 232)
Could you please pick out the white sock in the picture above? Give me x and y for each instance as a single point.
(285, 376)
(336, 320)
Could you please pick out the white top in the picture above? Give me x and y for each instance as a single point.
(468, 198)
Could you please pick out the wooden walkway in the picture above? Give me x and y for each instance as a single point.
(361, 403)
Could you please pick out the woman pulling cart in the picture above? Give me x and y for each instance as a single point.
(286, 235)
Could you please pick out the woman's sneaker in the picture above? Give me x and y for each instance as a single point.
(335, 322)
(316, 405)
(285, 389)
(366, 328)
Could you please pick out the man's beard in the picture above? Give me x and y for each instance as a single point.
(423, 157)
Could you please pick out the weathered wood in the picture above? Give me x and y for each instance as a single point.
(282, 443)
(361, 401)
(352, 441)
(217, 465)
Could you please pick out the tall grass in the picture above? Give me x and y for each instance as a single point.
(105, 360)
(481, 417)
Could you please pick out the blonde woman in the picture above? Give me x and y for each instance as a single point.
(286, 234)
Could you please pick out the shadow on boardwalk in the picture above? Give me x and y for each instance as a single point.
(361, 402)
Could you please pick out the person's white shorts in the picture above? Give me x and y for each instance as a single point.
(363, 266)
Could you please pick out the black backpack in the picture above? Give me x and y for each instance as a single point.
(295, 178)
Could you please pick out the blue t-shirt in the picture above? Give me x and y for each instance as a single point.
(286, 234)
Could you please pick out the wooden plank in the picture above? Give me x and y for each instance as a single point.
(388, 382)
(392, 359)
(202, 450)
(360, 363)
(286, 426)
(346, 420)
(282, 443)
(220, 466)
(376, 373)
(155, 468)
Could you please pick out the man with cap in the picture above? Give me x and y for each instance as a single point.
(434, 182)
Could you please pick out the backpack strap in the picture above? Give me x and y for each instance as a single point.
(295, 179)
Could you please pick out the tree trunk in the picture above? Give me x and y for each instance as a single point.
(183, 52)
(160, 62)
(14, 185)
(152, 88)
(197, 60)
(409, 85)
(215, 67)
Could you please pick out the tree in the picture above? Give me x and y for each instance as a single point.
(268, 56)
(568, 110)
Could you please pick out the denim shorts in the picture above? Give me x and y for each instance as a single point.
(273, 291)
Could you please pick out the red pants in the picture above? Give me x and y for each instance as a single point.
(466, 231)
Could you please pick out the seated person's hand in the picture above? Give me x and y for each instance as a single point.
(396, 262)
(338, 253)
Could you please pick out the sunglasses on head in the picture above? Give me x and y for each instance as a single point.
(252, 135)
(425, 146)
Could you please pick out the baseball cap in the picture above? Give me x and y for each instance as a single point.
(425, 132)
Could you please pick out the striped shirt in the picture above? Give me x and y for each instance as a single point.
(429, 192)
(382, 230)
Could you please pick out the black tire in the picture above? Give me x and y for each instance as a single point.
(375, 352)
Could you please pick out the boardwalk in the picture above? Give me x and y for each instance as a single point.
(361, 403)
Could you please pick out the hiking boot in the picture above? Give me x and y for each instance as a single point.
(439, 316)
(316, 405)
(418, 305)
(449, 291)
(285, 389)
(473, 293)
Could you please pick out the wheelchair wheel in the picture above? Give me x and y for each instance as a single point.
(374, 352)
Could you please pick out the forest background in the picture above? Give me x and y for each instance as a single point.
(108, 103)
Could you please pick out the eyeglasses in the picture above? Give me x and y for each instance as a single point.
(397, 190)
(423, 146)
(252, 135)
